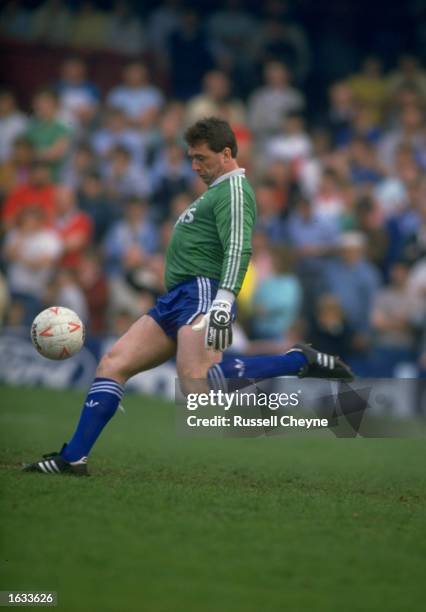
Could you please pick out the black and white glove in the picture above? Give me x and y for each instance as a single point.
(218, 325)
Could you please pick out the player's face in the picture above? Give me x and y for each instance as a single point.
(208, 164)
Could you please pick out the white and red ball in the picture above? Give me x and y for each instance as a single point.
(57, 333)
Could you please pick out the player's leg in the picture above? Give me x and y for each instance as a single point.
(193, 360)
(144, 346)
(302, 360)
(200, 370)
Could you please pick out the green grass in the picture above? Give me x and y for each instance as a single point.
(179, 524)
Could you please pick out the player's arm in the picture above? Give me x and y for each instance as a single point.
(235, 217)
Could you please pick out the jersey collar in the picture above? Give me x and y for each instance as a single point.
(224, 177)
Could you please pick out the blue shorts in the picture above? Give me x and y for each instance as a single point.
(182, 304)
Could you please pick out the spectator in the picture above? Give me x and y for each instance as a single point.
(93, 281)
(369, 220)
(391, 192)
(363, 125)
(280, 175)
(73, 226)
(394, 315)
(276, 300)
(93, 200)
(136, 96)
(38, 192)
(354, 282)
(52, 23)
(124, 30)
(416, 286)
(340, 113)
(292, 144)
(64, 290)
(115, 131)
(171, 174)
(407, 96)
(415, 245)
(129, 246)
(49, 136)
(215, 100)
(170, 128)
(130, 240)
(329, 202)
(12, 123)
(409, 132)
(310, 234)
(78, 97)
(364, 167)
(189, 55)
(404, 225)
(171, 122)
(268, 105)
(416, 290)
(89, 28)
(16, 171)
(312, 238)
(409, 73)
(308, 170)
(269, 219)
(369, 87)
(31, 251)
(123, 178)
(260, 268)
(329, 329)
(82, 161)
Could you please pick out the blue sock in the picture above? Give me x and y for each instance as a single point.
(249, 369)
(101, 403)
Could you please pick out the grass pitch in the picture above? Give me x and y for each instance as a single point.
(178, 524)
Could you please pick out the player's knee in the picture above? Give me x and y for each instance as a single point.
(112, 366)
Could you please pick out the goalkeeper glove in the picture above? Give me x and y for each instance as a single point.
(218, 325)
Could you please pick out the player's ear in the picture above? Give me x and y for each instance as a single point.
(227, 153)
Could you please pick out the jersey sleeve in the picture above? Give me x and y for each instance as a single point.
(235, 215)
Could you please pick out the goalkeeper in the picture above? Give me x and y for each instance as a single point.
(206, 262)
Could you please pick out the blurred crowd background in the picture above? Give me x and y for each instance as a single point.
(328, 105)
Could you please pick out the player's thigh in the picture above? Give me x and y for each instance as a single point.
(142, 347)
(193, 360)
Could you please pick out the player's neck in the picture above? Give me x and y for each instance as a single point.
(227, 171)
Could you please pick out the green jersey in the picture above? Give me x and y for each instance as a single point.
(43, 134)
(212, 237)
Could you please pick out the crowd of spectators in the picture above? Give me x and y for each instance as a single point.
(91, 182)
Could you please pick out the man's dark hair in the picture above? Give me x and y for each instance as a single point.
(215, 132)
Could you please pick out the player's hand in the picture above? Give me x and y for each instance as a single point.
(218, 325)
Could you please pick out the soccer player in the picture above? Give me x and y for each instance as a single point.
(206, 261)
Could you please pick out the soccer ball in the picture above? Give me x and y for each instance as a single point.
(57, 333)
